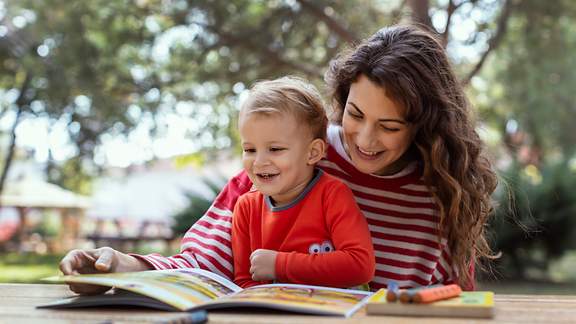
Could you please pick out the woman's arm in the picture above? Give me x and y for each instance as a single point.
(207, 244)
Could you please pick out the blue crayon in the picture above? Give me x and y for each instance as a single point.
(392, 291)
(407, 295)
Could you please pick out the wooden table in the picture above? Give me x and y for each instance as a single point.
(18, 301)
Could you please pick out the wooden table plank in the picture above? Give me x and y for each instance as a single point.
(18, 301)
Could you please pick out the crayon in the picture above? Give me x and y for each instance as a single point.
(429, 295)
(407, 295)
(392, 291)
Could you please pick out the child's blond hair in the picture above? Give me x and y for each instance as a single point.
(290, 95)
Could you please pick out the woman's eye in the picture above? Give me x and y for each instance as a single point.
(389, 129)
(355, 116)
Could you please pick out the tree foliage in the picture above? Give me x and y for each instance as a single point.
(529, 96)
(103, 66)
(535, 223)
(534, 71)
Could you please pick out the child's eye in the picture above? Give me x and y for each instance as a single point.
(249, 150)
(276, 149)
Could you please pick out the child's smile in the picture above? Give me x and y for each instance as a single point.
(267, 178)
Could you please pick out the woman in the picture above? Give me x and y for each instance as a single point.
(404, 141)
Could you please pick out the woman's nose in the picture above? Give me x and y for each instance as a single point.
(365, 136)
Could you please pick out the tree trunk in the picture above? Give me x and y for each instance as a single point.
(420, 14)
(20, 102)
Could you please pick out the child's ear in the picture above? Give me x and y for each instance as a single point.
(317, 150)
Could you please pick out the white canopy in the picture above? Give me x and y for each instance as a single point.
(149, 195)
(31, 192)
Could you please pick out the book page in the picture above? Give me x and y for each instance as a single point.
(180, 288)
(296, 298)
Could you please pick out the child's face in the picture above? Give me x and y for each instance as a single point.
(276, 154)
(375, 132)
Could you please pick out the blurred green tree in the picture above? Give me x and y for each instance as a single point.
(103, 66)
(533, 72)
(529, 96)
(71, 62)
(535, 223)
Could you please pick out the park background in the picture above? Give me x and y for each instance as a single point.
(117, 117)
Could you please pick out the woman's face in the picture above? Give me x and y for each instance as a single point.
(376, 135)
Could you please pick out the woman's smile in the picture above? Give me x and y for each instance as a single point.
(368, 154)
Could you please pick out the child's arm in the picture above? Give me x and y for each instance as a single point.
(241, 247)
(352, 263)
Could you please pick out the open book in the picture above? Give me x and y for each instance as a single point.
(195, 289)
(477, 304)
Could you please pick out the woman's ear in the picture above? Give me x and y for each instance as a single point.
(316, 151)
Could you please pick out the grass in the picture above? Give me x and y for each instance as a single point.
(31, 267)
(27, 268)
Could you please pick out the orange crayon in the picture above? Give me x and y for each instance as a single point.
(429, 295)
(407, 295)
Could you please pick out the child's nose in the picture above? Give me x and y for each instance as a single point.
(261, 159)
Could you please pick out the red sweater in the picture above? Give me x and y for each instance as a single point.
(322, 237)
(400, 210)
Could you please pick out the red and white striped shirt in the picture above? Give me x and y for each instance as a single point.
(401, 213)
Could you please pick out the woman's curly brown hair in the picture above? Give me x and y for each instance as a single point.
(413, 67)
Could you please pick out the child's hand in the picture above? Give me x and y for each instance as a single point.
(100, 260)
(263, 265)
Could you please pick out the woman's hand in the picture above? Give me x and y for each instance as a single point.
(263, 265)
(101, 260)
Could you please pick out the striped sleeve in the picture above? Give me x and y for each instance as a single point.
(207, 243)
